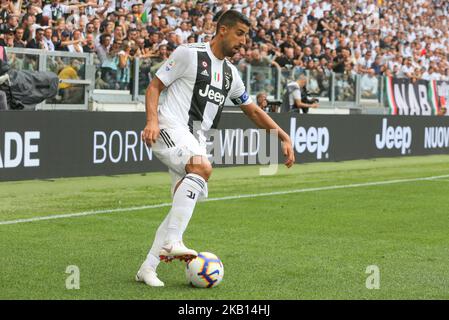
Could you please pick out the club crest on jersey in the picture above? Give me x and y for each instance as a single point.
(227, 81)
(213, 95)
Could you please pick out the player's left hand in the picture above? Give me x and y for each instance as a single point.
(289, 154)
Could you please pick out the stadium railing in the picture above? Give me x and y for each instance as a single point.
(96, 83)
(73, 92)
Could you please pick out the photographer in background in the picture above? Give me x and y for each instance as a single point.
(266, 105)
(262, 102)
(295, 97)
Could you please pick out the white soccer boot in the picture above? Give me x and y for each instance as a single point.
(149, 276)
(176, 250)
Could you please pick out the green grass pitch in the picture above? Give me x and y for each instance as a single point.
(305, 245)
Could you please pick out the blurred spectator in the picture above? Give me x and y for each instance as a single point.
(345, 86)
(158, 59)
(123, 61)
(76, 44)
(48, 43)
(286, 60)
(89, 46)
(401, 38)
(183, 32)
(8, 38)
(38, 41)
(7, 9)
(68, 92)
(11, 23)
(369, 84)
(103, 48)
(255, 59)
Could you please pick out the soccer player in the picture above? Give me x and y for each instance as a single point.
(198, 78)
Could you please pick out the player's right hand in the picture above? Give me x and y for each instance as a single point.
(289, 154)
(150, 133)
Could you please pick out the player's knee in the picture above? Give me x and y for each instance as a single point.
(202, 168)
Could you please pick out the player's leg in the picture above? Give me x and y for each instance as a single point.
(147, 272)
(192, 187)
(163, 150)
(161, 233)
(176, 149)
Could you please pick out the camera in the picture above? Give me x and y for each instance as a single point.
(273, 105)
(305, 97)
(310, 100)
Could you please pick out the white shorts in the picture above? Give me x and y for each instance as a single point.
(174, 148)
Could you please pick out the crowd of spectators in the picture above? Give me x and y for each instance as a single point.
(400, 38)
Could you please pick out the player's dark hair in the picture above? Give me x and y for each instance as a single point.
(230, 18)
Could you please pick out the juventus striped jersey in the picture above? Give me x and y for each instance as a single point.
(197, 86)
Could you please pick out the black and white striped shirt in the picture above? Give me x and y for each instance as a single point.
(197, 86)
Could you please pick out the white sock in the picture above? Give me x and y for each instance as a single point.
(178, 225)
(184, 201)
(152, 260)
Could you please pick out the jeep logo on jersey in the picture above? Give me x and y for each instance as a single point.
(394, 137)
(213, 95)
(312, 140)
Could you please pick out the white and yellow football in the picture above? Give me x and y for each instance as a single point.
(205, 271)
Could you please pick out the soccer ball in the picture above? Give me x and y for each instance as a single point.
(205, 271)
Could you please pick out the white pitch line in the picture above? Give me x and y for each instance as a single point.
(243, 196)
(444, 180)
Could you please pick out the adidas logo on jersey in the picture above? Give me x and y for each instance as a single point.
(212, 95)
(205, 73)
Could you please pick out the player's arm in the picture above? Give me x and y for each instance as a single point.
(171, 70)
(151, 131)
(262, 120)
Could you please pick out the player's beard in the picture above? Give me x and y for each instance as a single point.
(228, 51)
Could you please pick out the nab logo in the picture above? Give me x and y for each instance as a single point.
(394, 137)
(314, 140)
(212, 95)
